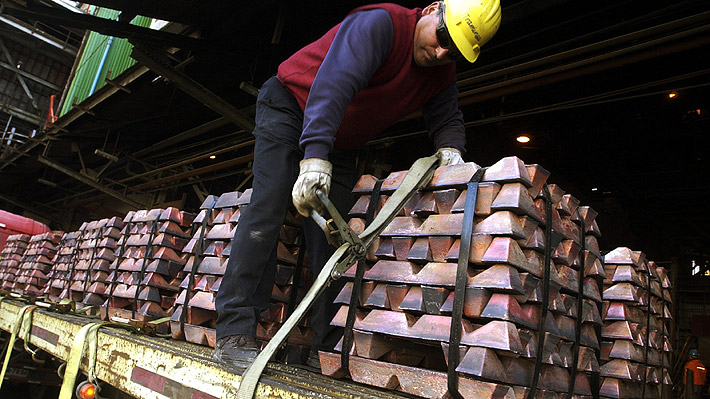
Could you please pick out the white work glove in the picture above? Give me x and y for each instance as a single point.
(314, 175)
(449, 156)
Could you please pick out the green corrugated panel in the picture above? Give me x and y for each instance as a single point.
(117, 59)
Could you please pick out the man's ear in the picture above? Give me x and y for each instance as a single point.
(431, 8)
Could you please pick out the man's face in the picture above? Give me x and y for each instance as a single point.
(427, 50)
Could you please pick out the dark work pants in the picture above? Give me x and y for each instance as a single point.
(246, 287)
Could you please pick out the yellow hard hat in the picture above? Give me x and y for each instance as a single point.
(471, 24)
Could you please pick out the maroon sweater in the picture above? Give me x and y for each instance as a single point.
(367, 80)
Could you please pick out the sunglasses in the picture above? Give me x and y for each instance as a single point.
(443, 37)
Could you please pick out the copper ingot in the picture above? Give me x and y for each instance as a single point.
(385, 249)
(370, 345)
(392, 181)
(202, 300)
(445, 200)
(236, 215)
(529, 284)
(396, 294)
(180, 300)
(205, 283)
(535, 262)
(500, 335)
(107, 242)
(515, 197)
(413, 301)
(568, 277)
(433, 298)
(591, 289)
(214, 248)
(220, 232)
(223, 216)
(149, 311)
(151, 294)
(365, 184)
(479, 246)
(452, 176)
(499, 278)
(505, 250)
(401, 247)
(593, 266)
(621, 256)
(197, 316)
(420, 252)
(425, 206)
(622, 369)
(173, 229)
(538, 176)
(623, 274)
(567, 206)
(507, 170)
(442, 225)
(169, 254)
(622, 292)
(412, 380)
(359, 209)
(621, 349)
(620, 330)
(501, 223)
(440, 247)
(505, 307)
(482, 362)
(372, 295)
(487, 192)
(590, 313)
(403, 226)
(566, 252)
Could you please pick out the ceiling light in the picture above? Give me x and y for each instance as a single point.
(523, 139)
(672, 94)
(595, 189)
(213, 156)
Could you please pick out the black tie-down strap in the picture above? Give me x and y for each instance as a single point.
(357, 283)
(552, 240)
(199, 250)
(461, 279)
(580, 309)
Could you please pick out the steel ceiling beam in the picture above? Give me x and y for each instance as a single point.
(78, 176)
(102, 25)
(194, 89)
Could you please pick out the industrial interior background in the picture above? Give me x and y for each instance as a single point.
(106, 109)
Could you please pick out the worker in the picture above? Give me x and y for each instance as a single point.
(380, 64)
(697, 368)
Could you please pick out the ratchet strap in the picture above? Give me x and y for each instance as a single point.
(87, 340)
(19, 321)
(357, 283)
(418, 176)
(460, 286)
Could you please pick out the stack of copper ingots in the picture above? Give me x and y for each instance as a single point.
(142, 282)
(15, 247)
(95, 267)
(635, 342)
(405, 314)
(208, 250)
(63, 263)
(667, 318)
(36, 264)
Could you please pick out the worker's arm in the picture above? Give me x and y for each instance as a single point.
(444, 122)
(361, 45)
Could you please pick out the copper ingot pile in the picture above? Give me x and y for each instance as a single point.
(10, 257)
(635, 338)
(94, 253)
(60, 276)
(35, 264)
(404, 317)
(142, 283)
(195, 321)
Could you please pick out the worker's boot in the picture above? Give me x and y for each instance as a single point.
(239, 350)
(313, 360)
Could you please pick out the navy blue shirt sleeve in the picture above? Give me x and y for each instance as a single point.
(362, 43)
(444, 120)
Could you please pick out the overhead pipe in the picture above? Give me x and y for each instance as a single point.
(101, 65)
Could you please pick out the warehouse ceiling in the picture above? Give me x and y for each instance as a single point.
(588, 82)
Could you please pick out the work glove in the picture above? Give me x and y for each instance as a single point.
(449, 156)
(314, 175)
